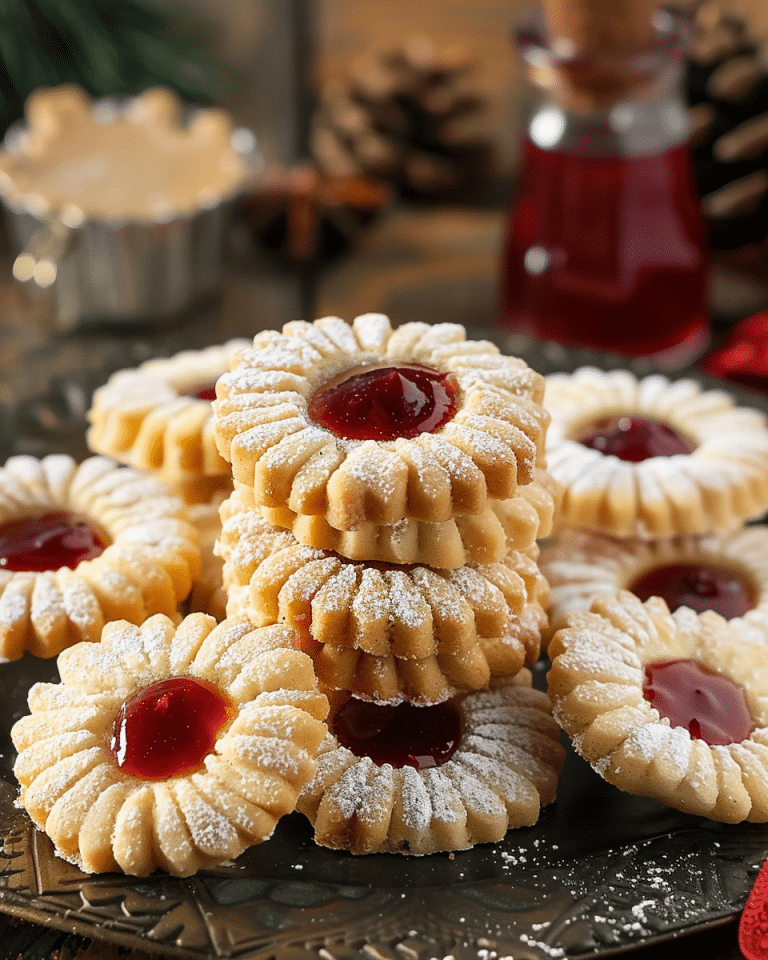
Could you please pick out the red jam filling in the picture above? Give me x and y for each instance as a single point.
(402, 735)
(385, 403)
(48, 541)
(712, 708)
(699, 586)
(634, 438)
(169, 728)
(206, 392)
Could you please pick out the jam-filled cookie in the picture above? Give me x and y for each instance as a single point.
(667, 705)
(727, 573)
(650, 457)
(362, 424)
(514, 524)
(419, 780)
(83, 544)
(382, 631)
(158, 417)
(170, 748)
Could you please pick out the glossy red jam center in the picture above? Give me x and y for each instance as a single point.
(710, 707)
(169, 728)
(402, 735)
(205, 392)
(699, 586)
(634, 438)
(385, 403)
(49, 540)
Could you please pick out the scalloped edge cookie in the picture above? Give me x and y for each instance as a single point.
(504, 771)
(581, 566)
(596, 687)
(391, 633)
(718, 486)
(514, 524)
(263, 428)
(149, 566)
(145, 418)
(103, 819)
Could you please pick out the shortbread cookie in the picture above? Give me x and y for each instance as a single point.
(362, 424)
(671, 706)
(158, 417)
(727, 573)
(169, 748)
(514, 524)
(492, 761)
(208, 594)
(649, 457)
(388, 632)
(431, 679)
(81, 545)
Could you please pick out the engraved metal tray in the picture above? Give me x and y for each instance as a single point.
(601, 873)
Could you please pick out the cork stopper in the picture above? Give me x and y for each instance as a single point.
(601, 26)
(595, 45)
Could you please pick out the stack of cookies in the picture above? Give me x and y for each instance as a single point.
(389, 491)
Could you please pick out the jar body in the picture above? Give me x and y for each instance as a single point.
(606, 244)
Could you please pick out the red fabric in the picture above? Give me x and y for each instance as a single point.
(753, 926)
(743, 358)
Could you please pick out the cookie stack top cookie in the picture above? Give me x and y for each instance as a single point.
(365, 426)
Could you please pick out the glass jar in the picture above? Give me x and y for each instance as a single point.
(606, 246)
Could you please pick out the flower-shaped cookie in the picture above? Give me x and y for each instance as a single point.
(387, 632)
(514, 524)
(649, 457)
(171, 748)
(83, 544)
(671, 706)
(158, 417)
(725, 572)
(505, 766)
(359, 423)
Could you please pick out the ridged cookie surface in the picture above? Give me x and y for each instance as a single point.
(104, 818)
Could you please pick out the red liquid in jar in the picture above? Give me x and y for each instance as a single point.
(401, 735)
(634, 439)
(698, 586)
(48, 541)
(711, 707)
(608, 253)
(385, 403)
(169, 728)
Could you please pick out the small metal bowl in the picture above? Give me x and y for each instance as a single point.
(141, 271)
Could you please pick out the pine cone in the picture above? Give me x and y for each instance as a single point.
(727, 90)
(408, 115)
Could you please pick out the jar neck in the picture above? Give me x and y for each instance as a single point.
(606, 104)
(628, 129)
